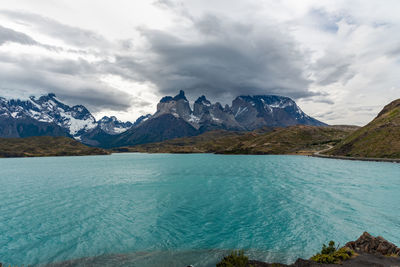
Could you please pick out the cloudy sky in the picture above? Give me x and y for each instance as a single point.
(340, 60)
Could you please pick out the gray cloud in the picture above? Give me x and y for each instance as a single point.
(17, 81)
(334, 68)
(71, 35)
(224, 60)
(73, 81)
(9, 35)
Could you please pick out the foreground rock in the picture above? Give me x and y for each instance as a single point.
(363, 260)
(371, 251)
(366, 243)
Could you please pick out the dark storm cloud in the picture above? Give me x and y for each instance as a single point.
(223, 59)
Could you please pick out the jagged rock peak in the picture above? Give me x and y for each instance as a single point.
(49, 96)
(179, 96)
(203, 100)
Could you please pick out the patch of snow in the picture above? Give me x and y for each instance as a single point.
(214, 118)
(120, 129)
(35, 104)
(281, 104)
(266, 106)
(240, 111)
(194, 118)
(75, 125)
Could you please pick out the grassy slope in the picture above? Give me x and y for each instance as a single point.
(45, 146)
(378, 139)
(290, 140)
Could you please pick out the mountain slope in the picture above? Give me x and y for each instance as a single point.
(378, 139)
(160, 128)
(25, 127)
(290, 140)
(253, 112)
(45, 146)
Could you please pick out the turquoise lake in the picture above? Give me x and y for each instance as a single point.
(176, 210)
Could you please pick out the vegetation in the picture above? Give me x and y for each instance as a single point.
(378, 139)
(331, 255)
(303, 140)
(45, 146)
(235, 259)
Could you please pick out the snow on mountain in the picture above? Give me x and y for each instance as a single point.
(253, 112)
(77, 120)
(112, 125)
(246, 112)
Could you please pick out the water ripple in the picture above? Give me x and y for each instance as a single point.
(174, 210)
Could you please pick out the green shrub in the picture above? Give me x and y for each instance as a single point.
(328, 249)
(235, 259)
(329, 254)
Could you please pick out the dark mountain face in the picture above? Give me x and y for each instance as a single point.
(156, 129)
(253, 112)
(26, 127)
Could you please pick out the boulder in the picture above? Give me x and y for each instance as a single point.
(367, 243)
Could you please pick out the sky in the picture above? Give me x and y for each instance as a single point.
(339, 59)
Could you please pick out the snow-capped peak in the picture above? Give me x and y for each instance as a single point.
(48, 108)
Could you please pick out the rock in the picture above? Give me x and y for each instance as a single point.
(367, 243)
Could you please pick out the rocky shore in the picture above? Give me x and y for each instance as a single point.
(368, 251)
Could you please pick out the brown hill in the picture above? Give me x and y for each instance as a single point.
(289, 140)
(378, 139)
(45, 146)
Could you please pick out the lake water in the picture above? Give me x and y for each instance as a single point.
(175, 210)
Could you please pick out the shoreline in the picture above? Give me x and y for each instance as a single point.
(317, 155)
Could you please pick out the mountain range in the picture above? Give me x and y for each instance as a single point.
(174, 117)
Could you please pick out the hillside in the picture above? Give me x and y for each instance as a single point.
(45, 146)
(289, 140)
(378, 139)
